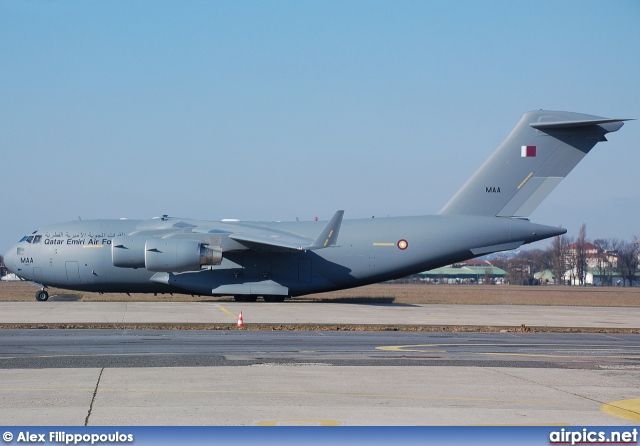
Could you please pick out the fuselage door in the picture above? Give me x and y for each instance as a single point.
(73, 272)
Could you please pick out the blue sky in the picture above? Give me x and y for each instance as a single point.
(275, 110)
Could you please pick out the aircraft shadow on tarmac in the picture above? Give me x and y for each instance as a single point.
(340, 300)
(365, 301)
(64, 298)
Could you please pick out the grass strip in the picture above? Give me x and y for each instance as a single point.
(319, 327)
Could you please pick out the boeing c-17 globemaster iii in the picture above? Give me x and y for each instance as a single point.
(281, 259)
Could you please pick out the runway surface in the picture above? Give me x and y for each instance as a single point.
(166, 377)
(34, 349)
(55, 311)
(118, 376)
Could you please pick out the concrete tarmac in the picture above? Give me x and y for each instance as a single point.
(318, 313)
(315, 392)
(319, 395)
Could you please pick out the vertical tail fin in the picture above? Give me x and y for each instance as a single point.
(540, 151)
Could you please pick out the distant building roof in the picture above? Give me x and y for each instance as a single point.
(544, 275)
(587, 247)
(610, 272)
(476, 262)
(464, 272)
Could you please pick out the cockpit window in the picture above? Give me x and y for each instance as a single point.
(37, 239)
(23, 239)
(30, 239)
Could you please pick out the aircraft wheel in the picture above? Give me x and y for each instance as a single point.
(245, 298)
(274, 298)
(42, 295)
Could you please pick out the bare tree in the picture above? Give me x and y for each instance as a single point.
(606, 260)
(539, 259)
(487, 279)
(580, 255)
(527, 263)
(500, 261)
(628, 261)
(3, 269)
(518, 271)
(557, 252)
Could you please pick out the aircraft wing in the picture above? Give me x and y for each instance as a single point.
(289, 241)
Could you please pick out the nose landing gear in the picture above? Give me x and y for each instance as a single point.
(42, 295)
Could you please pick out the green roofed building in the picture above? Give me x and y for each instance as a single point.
(545, 276)
(462, 274)
(594, 276)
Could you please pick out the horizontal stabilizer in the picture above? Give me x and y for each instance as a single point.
(496, 248)
(575, 124)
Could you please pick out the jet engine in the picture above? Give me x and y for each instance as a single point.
(128, 252)
(162, 255)
(178, 255)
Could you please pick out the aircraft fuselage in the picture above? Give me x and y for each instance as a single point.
(78, 255)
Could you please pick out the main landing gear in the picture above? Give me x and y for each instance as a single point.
(273, 298)
(245, 298)
(42, 295)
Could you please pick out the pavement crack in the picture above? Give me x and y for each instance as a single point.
(93, 398)
(567, 392)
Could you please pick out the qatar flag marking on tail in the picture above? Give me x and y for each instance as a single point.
(528, 151)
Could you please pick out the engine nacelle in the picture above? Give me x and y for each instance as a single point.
(178, 255)
(128, 252)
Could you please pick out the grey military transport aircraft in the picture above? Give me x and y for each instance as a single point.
(276, 260)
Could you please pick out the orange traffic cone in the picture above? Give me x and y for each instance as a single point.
(240, 321)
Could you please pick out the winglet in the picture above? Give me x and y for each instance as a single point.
(329, 235)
